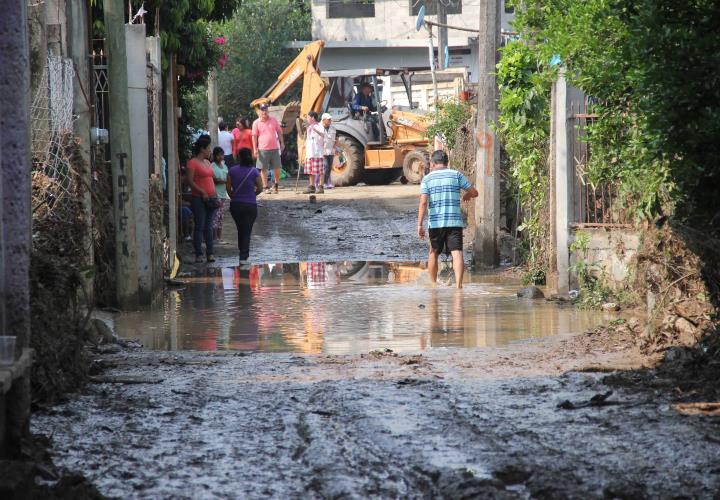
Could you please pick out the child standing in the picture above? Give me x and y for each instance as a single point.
(220, 173)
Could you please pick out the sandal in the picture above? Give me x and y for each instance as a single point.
(211, 258)
(199, 260)
(277, 188)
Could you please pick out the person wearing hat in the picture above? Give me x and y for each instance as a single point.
(267, 141)
(330, 145)
(314, 162)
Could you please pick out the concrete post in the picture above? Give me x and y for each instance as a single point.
(140, 152)
(16, 214)
(158, 233)
(152, 46)
(172, 158)
(37, 30)
(562, 174)
(56, 32)
(126, 268)
(487, 171)
(213, 107)
(77, 27)
(551, 277)
(442, 34)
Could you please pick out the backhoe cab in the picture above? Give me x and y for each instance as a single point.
(378, 145)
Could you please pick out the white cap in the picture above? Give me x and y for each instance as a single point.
(326, 116)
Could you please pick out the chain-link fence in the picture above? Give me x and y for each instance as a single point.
(53, 141)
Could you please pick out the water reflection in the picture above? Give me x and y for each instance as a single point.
(344, 307)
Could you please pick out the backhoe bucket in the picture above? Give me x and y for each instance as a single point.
(286, 115)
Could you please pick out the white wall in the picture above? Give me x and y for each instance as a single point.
(139, 137)
(392, 21)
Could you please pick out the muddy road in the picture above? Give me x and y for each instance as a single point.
(529, 416)
(360, 223)
(453, 424)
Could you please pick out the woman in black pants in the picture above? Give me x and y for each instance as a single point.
(244, 184)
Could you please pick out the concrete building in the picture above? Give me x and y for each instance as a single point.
(381, 33)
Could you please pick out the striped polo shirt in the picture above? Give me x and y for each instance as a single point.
(443, 187)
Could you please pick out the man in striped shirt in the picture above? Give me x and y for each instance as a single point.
(440, 195)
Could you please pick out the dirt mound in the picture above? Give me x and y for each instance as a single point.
(678, 269)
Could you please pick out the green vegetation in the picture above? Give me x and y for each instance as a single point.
(594, 291)
(257, 38)
(524, 130)
(653, 72)
(451, 116)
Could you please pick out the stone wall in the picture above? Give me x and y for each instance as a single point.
(611, 249)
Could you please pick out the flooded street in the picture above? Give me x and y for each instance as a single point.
(321, 371)
(345, 308)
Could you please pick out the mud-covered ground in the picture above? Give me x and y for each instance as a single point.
(448, 424)
(532, 420)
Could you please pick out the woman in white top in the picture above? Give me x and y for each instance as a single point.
(225, 141)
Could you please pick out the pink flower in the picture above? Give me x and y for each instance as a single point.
(220, 40)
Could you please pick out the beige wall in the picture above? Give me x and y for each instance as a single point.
(612, 250)
(392, 21)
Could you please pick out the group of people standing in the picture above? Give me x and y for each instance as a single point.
(226, 179)
(321, 145)
(229, 176)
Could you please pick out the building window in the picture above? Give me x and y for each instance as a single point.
(342, 9)
(451, 6)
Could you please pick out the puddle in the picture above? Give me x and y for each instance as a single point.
(344, 308)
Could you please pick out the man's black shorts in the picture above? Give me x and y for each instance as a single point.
(446, 239)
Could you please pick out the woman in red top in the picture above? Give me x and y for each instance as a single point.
(200, 176)
(242, 135)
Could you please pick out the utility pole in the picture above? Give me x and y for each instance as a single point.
(77, 20)
(487, 167)
(172, 156)
(442, 33)
(126, 267)
(213, 107)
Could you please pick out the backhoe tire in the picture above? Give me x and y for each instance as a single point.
(415, 164)
(381, 176)
(351, 171)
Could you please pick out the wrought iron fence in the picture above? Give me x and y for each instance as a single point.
(101, 85)
(594, 204)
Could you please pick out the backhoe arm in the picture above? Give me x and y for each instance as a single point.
(304, 66)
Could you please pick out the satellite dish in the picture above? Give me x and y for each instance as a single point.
(420, 21)
(447, 57)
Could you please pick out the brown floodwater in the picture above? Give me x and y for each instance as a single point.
(345, 308)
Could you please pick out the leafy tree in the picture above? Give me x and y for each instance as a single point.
(524, 82)
(652, 68)
(676, 80)
(257, 38)
(184, 27)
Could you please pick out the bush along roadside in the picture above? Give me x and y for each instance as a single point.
(653, 77)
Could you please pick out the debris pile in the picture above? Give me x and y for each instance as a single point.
(678, 269)
(59, 303)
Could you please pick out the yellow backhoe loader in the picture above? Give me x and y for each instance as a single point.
(377, 146)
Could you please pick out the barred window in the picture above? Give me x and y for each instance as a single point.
(342, 9)
(451, 6)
